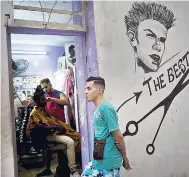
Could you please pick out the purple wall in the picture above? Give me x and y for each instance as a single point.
(92, 66)
(81, 75)
(39, 64)
(24, 30)
(89, 62)
(82, 103)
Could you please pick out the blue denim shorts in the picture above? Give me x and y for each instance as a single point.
(90, 171)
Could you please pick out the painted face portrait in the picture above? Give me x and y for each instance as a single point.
(149, 45)
(147, 33)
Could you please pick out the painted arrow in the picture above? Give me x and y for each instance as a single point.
(136, 94)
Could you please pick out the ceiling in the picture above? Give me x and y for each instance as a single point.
(50, 40)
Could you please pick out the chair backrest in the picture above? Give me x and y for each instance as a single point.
(25, 114)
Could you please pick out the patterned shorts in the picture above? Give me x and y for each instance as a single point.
(91, 172)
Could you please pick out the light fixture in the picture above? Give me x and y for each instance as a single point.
(29, 52)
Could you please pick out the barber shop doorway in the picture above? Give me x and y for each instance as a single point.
(52, 62)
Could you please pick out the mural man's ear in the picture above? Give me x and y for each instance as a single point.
(132, 38)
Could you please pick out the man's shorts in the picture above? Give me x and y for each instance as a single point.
(90, 171)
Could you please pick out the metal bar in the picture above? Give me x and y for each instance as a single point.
(49, 25)
(38, 9)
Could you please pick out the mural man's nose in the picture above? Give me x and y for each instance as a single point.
(157, 46)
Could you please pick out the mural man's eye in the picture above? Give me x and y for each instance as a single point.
(149, 35)
(162, 40)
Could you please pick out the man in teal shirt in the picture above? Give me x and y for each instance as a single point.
(105, 127)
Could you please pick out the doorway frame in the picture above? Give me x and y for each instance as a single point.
(81, 100)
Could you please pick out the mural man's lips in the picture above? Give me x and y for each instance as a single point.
(156, 59)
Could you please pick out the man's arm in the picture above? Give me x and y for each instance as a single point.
(120, 143)
(111, 118)
(33, 121)
(63, 99)
(31, 124)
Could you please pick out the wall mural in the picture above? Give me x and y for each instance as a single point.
(147, 27)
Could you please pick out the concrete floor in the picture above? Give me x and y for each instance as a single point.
(31, 171)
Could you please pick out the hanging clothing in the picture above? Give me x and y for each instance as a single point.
(70, 84)
(55, 109)
(70, 81)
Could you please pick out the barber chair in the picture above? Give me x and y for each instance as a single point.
(30, 153)
(25, 150)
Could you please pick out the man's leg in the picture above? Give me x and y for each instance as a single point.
(47, 171)
(62, 167)
(48, 158)
(70, 148)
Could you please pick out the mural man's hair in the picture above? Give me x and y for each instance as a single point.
(97, 80)
(141, 11)
(45, 80)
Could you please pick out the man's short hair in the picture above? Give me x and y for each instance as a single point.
(141, 11)
(71, 48)
(97, 80)
(45, 80)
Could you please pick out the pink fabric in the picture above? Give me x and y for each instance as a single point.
(70, 82)
(55, 109)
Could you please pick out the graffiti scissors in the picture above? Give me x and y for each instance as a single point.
(165, 104)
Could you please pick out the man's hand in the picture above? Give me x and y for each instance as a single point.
(119, 145)
(126, 164)
(62, 101)
(48, 98)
